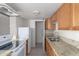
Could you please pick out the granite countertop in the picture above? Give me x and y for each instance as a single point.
(64, 49)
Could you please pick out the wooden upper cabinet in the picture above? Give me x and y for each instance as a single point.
(76, 14)
(54, 17)
(75, 7)
(48, 24)
(67, 17)
(64, 17)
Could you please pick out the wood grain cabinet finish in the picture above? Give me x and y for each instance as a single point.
(75, 13)
(48, 24)
(49, 50)
(67, 16)
(54, 17)
(64, 17)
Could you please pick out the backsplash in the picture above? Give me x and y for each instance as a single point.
(49, 32)
(71, 42)
(70, 34)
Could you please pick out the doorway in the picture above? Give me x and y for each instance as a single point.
(39, 33)
(38, 50)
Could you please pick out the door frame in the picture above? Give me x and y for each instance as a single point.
(43, 30)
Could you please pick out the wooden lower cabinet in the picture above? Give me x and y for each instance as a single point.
(49, 50)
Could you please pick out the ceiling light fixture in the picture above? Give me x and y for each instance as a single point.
(36, 12)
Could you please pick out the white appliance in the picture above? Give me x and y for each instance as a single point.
(24, 33)
(18, 51)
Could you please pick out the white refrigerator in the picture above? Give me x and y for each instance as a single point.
(24, 33)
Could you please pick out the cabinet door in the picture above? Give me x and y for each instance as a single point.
(48, 24)
(53, 19)
(49, 50)
(47, 47)
(75, 16)
(64, 17)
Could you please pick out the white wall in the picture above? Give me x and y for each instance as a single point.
(26, 22)
(16, 22)
(32, 29)
(22, 22)
(70, 34)
(19, 21)
(4, 24)
(13, 26)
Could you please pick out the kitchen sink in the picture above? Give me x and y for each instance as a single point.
(53, 38)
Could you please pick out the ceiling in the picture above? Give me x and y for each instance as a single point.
(26, 9)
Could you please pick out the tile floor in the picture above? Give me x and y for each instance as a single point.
(37, 51)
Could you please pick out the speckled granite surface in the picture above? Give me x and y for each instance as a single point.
(71, 42)
(65, 46)
(64, 49)
(67, 40)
